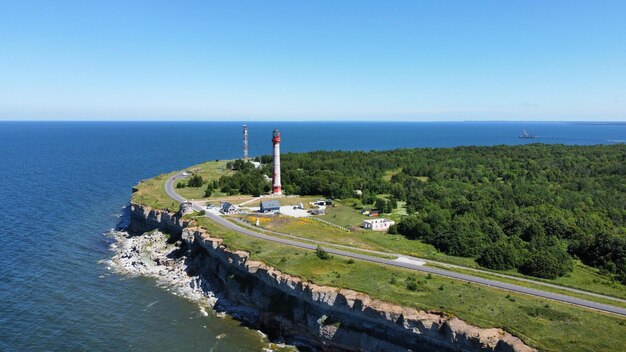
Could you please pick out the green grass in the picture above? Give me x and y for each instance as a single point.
(544, 324)
(590, 279)
(344, 215)
(211, 170)
(487, 275)
(311, 229)
(347, 212)
(151, 192)
(390, 173)
(582, 277)
(291, 200)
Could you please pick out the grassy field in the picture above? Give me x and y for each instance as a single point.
(390, 173)
(311, 229)
(544, 324)
(151, 192)
(344, 215)
(211, 170)
(290, 200)
(582, 277)
(347, 212)
(513, 280)
(590, 279)
(269, 223)
(236, 199)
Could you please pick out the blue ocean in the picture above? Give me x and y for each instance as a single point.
(64, 184)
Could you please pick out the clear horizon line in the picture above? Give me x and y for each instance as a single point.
(313, 120)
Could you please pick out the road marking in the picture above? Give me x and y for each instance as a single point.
(410, 261)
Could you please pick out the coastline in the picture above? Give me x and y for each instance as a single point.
(152, 254)
(289, 309)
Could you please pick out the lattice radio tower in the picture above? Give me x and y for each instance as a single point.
(245, 142)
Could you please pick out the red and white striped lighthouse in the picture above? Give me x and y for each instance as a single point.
(276, 189)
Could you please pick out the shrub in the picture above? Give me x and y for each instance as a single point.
(412, 285)
(321, 253)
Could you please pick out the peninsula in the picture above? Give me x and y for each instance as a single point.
(480, 248)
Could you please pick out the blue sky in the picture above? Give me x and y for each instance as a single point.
(310, 60)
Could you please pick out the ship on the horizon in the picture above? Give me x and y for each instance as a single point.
(526, 135)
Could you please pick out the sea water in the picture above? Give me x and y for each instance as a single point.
(64, 184)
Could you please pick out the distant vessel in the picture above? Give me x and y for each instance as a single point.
(527, 135)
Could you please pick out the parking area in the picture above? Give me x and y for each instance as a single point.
(296, 213)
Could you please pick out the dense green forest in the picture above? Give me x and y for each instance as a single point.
(530, 208)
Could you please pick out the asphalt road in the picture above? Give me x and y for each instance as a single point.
(169, 189)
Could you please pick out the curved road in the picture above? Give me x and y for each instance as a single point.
(169, 189)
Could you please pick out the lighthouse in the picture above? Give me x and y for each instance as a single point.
(276, 189)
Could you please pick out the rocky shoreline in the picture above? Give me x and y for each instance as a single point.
(286, 308)
(151, 255)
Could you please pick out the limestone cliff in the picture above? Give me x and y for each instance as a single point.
(317, 317)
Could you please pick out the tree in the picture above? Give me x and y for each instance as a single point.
(607, 252)
(464, 238)
(495, 203)
(413, 227)
(393, 204)
(238, 164)
(501, 255)
(547, 264)
(209, 191)
(195, 181)
(385, 206)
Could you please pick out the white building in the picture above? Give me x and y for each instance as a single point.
(381, 224)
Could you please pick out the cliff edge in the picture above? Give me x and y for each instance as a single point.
(314, 317)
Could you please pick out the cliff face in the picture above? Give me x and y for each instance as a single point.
(318, 317)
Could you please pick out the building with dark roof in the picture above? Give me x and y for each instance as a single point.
(271, 205)
(227, 208)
